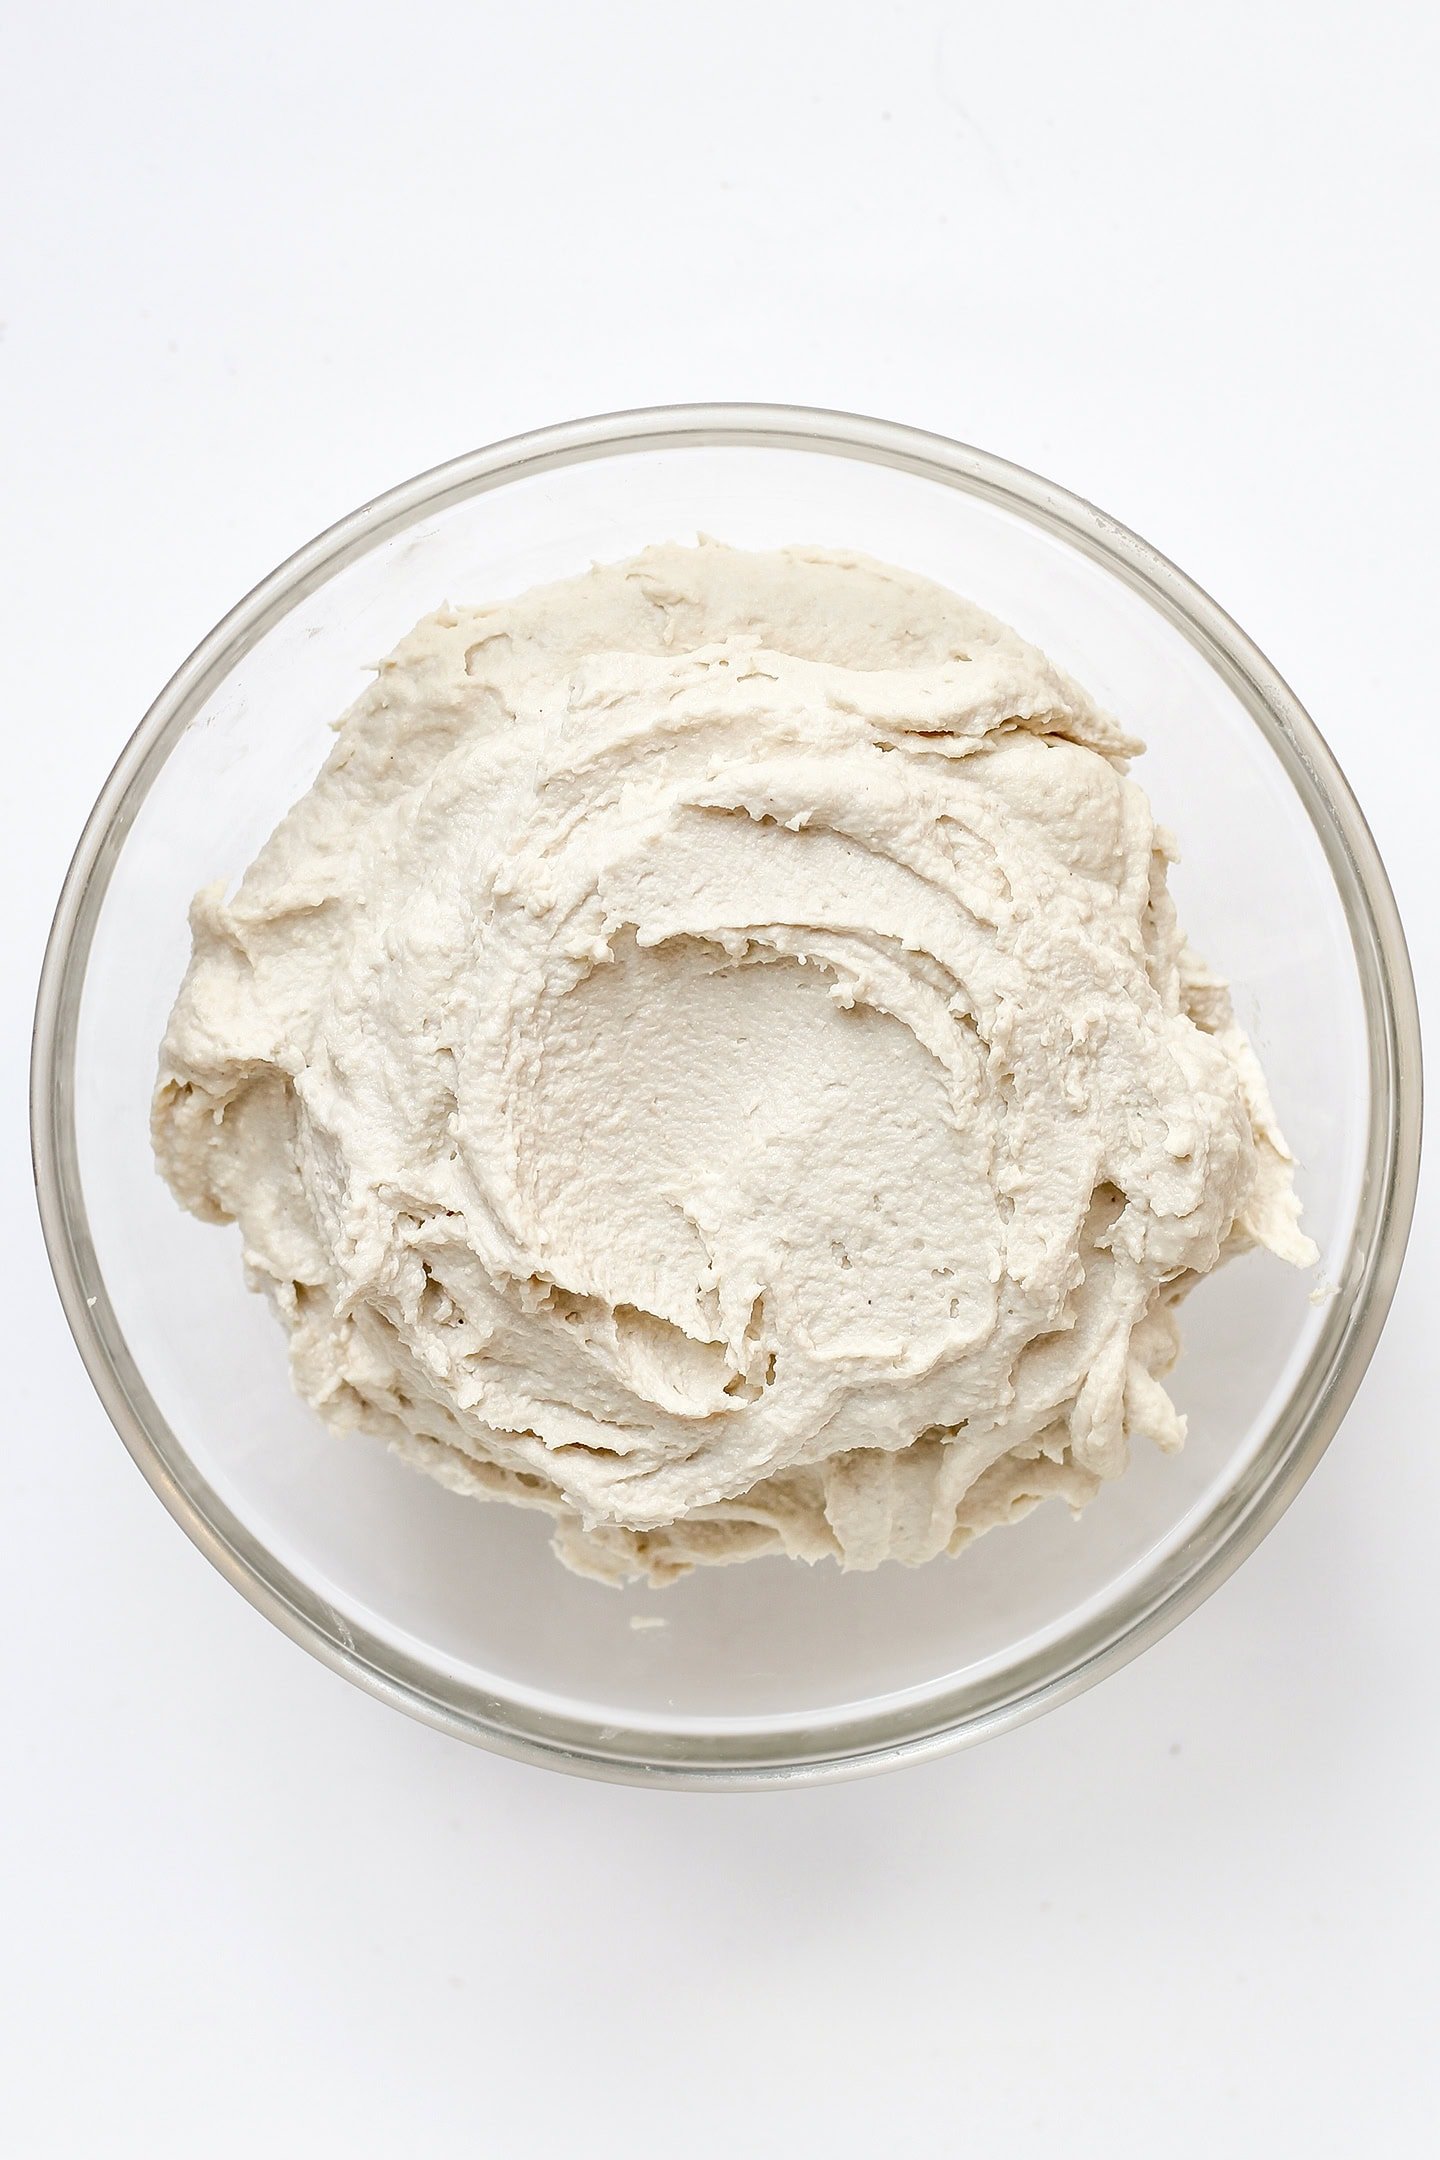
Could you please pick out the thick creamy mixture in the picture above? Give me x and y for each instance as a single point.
(713, 1057)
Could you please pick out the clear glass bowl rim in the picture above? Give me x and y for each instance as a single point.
(844, 1745)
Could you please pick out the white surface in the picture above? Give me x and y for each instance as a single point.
(260, 262)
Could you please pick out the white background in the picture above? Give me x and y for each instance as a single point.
(260, 262)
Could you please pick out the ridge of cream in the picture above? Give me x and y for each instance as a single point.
(713, 1056)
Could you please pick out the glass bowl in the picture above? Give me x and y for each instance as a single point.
(768, 1672)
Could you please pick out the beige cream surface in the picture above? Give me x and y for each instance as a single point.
(713, 1057)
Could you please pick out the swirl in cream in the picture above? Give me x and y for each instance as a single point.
(713, 1056)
